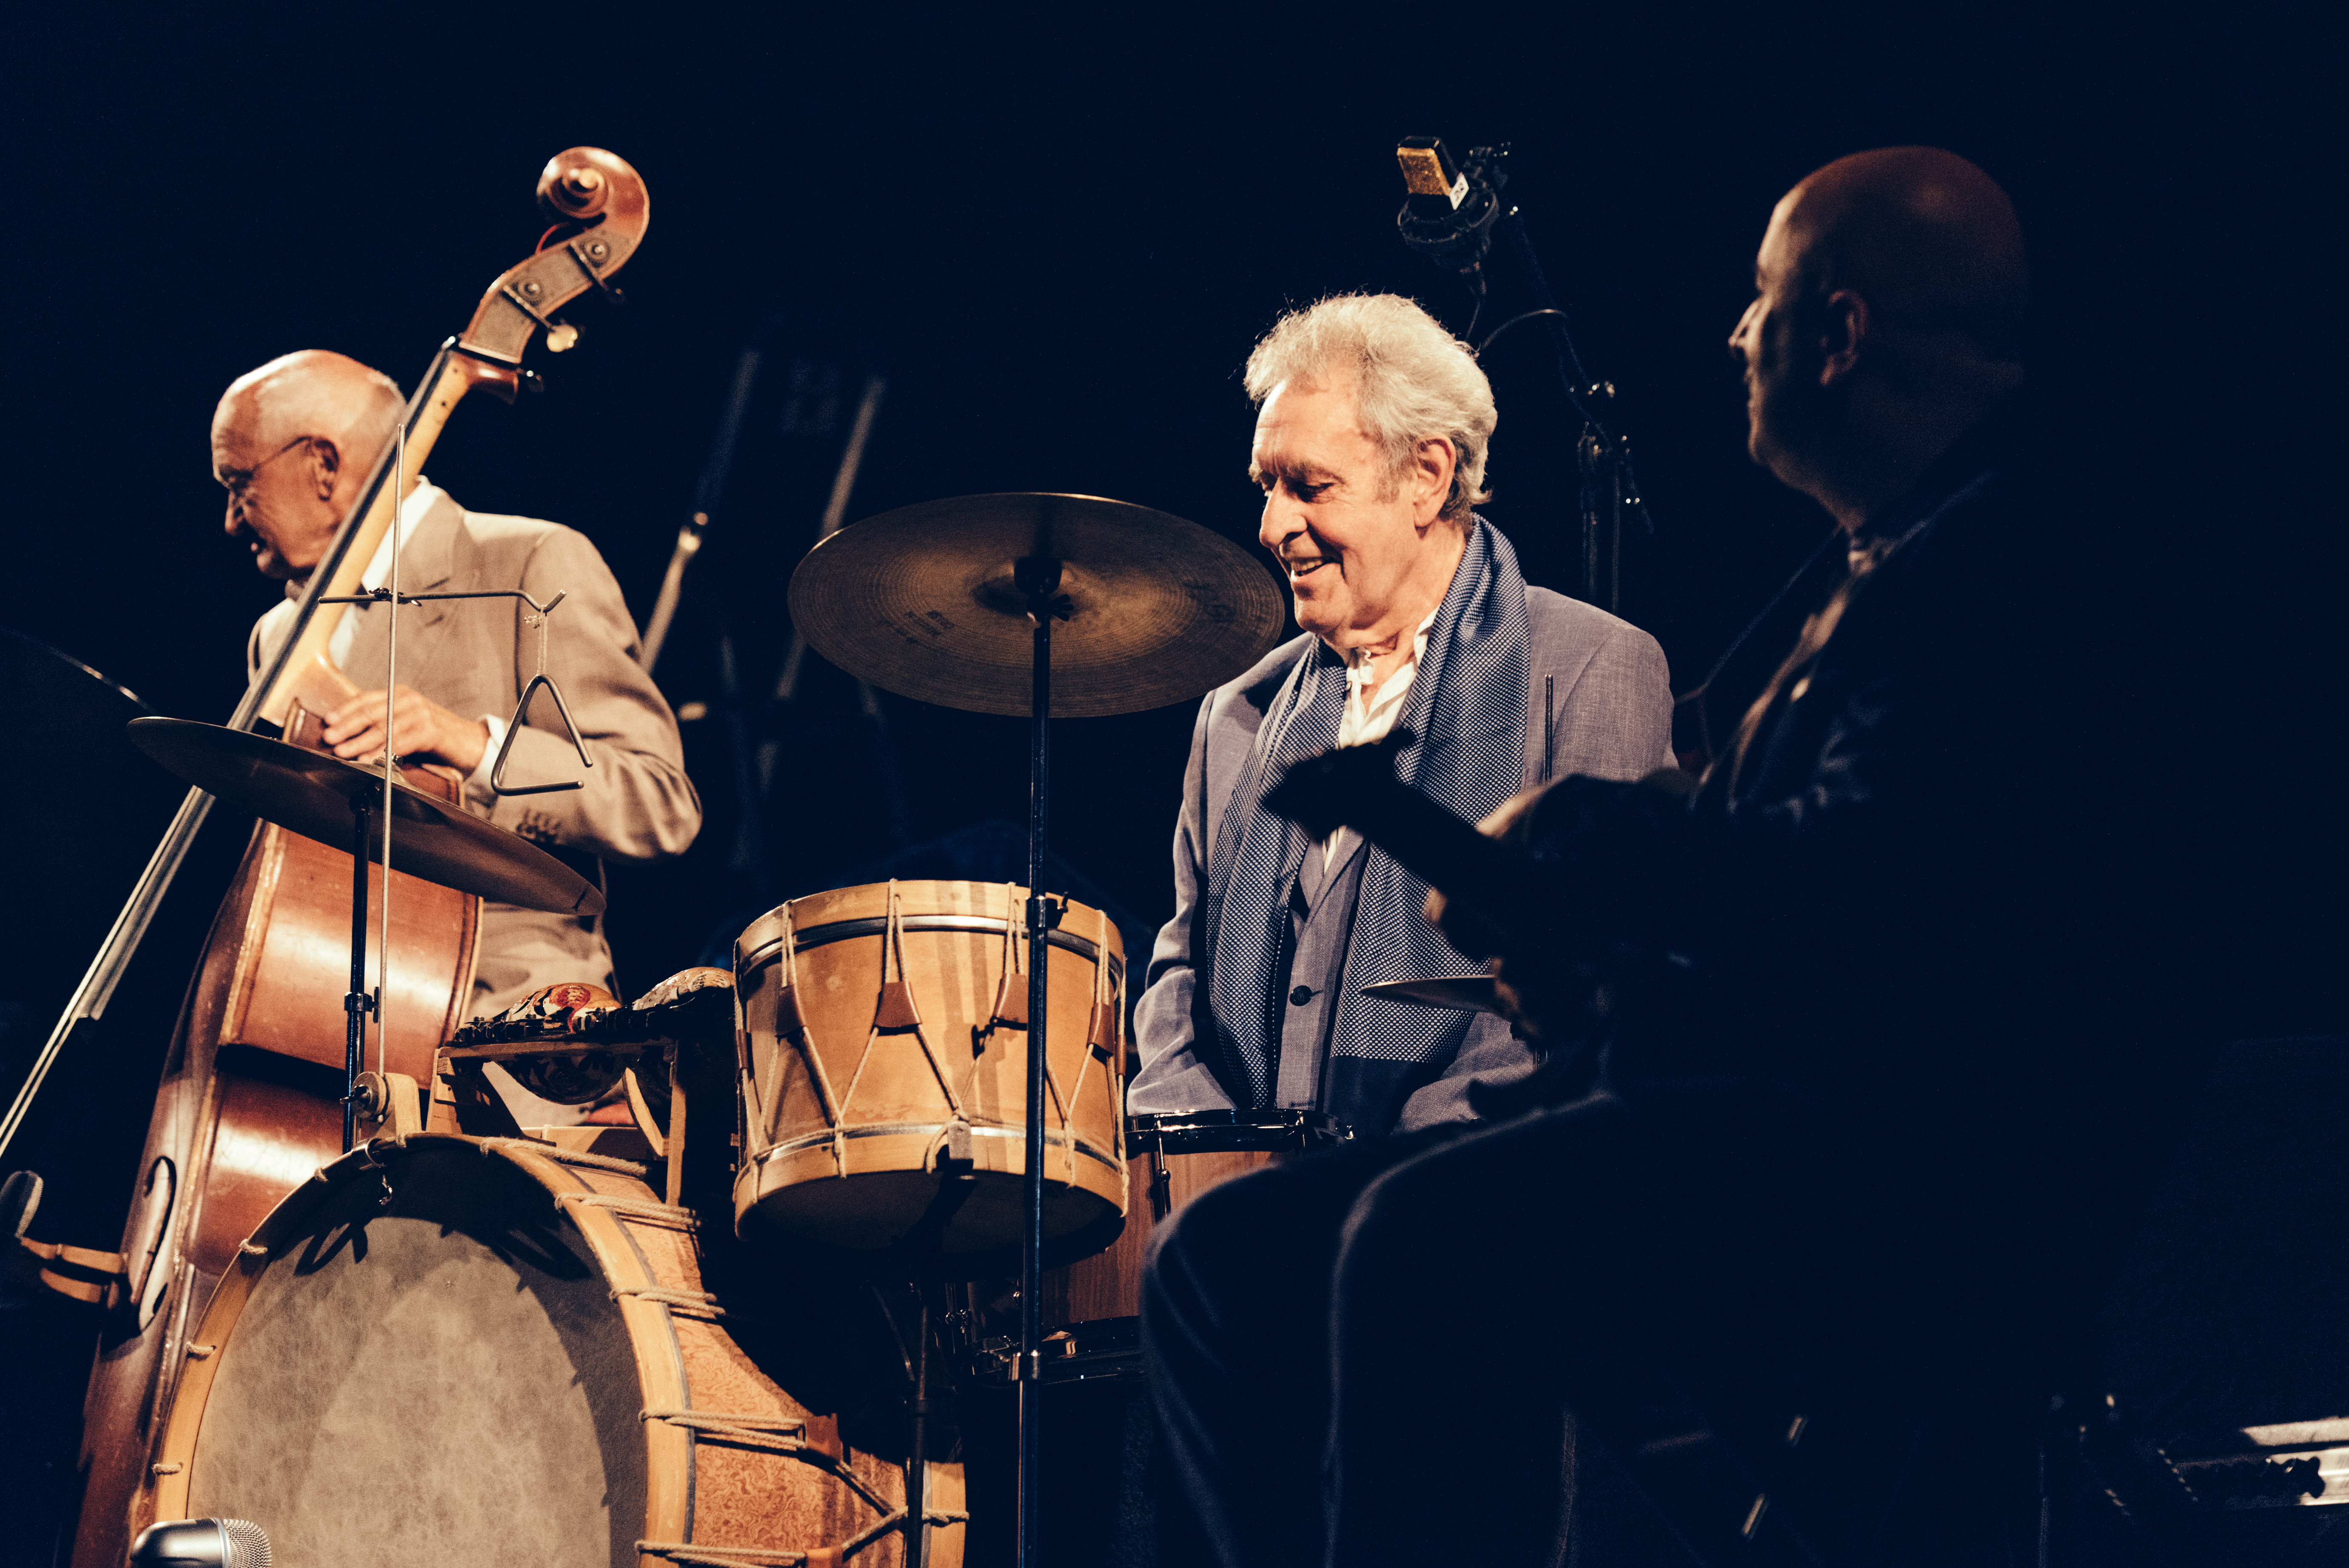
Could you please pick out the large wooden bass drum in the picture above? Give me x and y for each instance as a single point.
(463, 1351)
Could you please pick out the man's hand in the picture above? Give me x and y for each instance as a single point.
(1617, 857)
(423, 731)
(1506, 824)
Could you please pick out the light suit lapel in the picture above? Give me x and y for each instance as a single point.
(426, 562)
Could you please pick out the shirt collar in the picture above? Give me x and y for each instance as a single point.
(1354, 657)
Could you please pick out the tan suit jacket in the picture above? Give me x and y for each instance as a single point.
(473, 656)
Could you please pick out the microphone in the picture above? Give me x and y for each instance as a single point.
(1451, 207)
(200, 1544)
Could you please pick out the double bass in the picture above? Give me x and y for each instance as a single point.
(251, 1101)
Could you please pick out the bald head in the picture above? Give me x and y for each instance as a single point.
(1927, 239)
(316, 392)
(293, 442)
(1890, 294)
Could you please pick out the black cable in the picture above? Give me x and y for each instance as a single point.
(1574, 378)
(1505, 326)
(1576, 375)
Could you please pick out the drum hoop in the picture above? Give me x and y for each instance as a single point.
(876, 925)
(934, 1130)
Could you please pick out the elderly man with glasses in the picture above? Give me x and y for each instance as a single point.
(293, 442)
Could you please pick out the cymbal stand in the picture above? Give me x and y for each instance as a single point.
(357, 1003)
(391, 775)
(1038, 578)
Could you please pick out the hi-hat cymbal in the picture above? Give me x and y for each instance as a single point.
(921, 602)
(1461, 993)
(311, 793)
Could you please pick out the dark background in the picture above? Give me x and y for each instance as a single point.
(1059, 237)
(1058, 233)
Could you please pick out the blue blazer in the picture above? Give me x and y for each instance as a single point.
(1599, 703)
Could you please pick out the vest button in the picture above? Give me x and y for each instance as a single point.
(1302, 995)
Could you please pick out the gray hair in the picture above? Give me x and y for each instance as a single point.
(1413, 381)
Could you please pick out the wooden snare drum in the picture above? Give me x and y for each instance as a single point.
(884, 1042)
(465, 1351)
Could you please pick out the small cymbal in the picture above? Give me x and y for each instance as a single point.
(921, 602)
(311, 793)
(1461, 993)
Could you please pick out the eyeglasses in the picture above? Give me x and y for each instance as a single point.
(236, 482)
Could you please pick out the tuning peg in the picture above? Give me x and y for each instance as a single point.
(531, 381)
(560, 336)
(576, 191)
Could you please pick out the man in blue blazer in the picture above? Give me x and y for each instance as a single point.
(1371, 443)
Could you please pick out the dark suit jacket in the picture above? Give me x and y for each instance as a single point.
(1905, 938)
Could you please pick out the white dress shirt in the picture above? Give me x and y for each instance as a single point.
(1366, 721)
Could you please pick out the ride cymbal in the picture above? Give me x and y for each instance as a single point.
(928, 602)
(310, 793)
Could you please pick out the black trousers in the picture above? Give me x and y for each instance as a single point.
(1368, 1356)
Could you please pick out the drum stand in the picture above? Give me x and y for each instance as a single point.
(926, 1245)
(1175, 611)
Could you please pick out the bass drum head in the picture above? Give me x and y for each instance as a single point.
(443, 1379)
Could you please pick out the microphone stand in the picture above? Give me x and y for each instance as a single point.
(748, 854)
(706, 492)
(1457, 237)
(1602, 455)
(359, 1004)
(743, 715)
